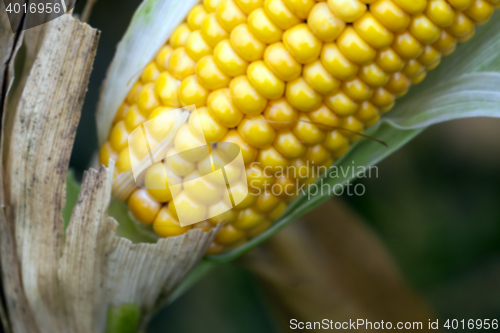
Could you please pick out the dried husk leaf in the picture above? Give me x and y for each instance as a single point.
(35, 157)
(97, 270)
(150, 28)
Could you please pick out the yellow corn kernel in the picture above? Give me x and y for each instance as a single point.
(221, 105)
(106, 153)
(191, 209)
(355, 48)
(419, 78)
(398, 83)
(371, 30)
(143, 206)
(407, 46)
(413, 68)
(246, 97)
(373, 75)
(301, 8)
(357, 90)
(324, 23)
(440, 12)
(121, 113)
(382, 98)
(211, 5)
(341, 104)
(212, 31)
(336, 63)
(246, 44)
(210, 74)
(279, 13)
(228, 59)
(150, 73)
(351, 125)
(446, 43)
(262, 26)
(166, 88)
(119, 136)
(281, 62)
(248, 219)
(461, 26)
(265, 81)
(123, 161)
(280, 114)
(465, 38)
(335, 141)
(248, 152)
(302, 96)
(347, 10)
(201, 190)
(180, 64)
(272, 161)
(266, 202)
(180, 35)
(256, 131)
(196, 47)
(304, 46)
(156, 183)
(166, 226)
(367, 113)
(192, 92)
(228, 234)
(317, 155)
(424, 29)
(310, 134)
(257, 180)
(460, 5)
(214, 131)
(324, 118)
(390, 15)
(389, 60)
(230, 15)
(196, 17)
(133, 94)
(320, 79)
(248, 6)
(480, 11)
(163, 57)
(288, 145)
(412, 7)
(429, 56)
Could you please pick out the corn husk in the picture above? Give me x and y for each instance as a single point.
(67, 283)
(152, 24)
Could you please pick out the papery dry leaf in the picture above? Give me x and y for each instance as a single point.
(334, 267)
(57, 285)
(36, 155)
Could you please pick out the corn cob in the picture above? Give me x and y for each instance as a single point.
(291, 82)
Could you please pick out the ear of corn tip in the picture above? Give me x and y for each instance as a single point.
(292, 82)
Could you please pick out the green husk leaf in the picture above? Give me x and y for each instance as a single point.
(467, 84)
(151, 26)
(72, 190)
(123, 319)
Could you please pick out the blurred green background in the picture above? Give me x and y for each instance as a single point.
(435, 206)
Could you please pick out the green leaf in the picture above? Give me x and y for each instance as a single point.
(465, 85)
(123, 319)
(72, 191)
